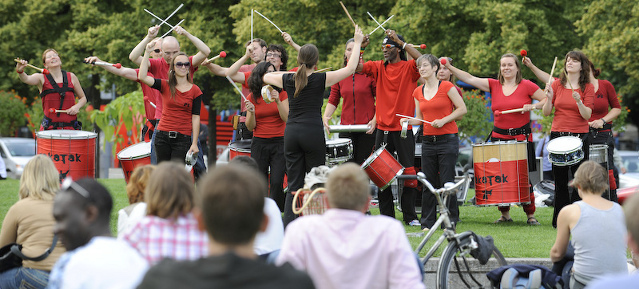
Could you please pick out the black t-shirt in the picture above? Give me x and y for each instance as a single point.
(225, 271)
(307, 106)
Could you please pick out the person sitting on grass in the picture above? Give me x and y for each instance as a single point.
(597, 228)
(344, 248)
(625, 281)
(169, 230)
(130, 215)
(230, 209)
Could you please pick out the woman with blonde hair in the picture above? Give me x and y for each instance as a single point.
(30, 222)
(136, 210)
(169, 229)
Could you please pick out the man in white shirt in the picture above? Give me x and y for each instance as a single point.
(345, 248)
(94, 259)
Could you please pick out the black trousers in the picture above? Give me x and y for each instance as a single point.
(363, 145)
(304, 149)
(168, 148)
(438, 164)
(605, 137)
(564, 174)
(405, 149)
(269, 155)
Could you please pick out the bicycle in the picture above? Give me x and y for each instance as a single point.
(459, 245)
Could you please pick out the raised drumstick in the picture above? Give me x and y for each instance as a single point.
(103, 63)
(551, 72)
(523, 54)
(324, 69)
(222, 54)
(420, 46)
(53, 110)
(42, 70)
(347, 14)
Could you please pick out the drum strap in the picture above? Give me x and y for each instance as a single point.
(525, 129)
(47, 123)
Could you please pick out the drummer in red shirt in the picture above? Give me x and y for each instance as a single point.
(395, 79)
(510, 91)
(439, 103)
(358, 92)
(58, 91)
(572, 96)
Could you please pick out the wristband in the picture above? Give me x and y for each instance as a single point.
(404, 46)
(604, 121)
(19, 72)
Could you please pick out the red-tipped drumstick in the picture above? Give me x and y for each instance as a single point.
(420, 46)
(43, 71)
(498, 112)
(222, 54)
(523, 54)
(443, 61)
(53, 110)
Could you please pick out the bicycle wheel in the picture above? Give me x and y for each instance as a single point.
(457, 271)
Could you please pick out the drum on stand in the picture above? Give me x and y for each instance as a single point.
(338, 151)
(599, 154)
(72, 151)
(501, 173)
(133, 156)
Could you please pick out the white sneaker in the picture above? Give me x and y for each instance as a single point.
(414, 223)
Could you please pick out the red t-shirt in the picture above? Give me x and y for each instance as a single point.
(522, 95)
(150, 95)
(358, 92)
(605, 97)
(567, 117)
(437, 107)
(246, 68)
(177, 113)
(268, 122)
(395, 85)
(160, 69)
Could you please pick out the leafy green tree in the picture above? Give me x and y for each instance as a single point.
(11, 113)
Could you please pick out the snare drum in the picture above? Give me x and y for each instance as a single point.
(501, 173)
(133, 156)
(338, 151)
(72, 151)
(240, 148)
(266, 93)
(565, 151)
(382, 168)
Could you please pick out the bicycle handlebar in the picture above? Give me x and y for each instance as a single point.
(448, 187)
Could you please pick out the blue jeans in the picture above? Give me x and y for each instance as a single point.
(22, 277)
(154, 159)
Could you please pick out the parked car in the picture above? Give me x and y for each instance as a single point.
(630, 161)
(16, 152)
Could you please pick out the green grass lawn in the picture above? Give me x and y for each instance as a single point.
(515, 239)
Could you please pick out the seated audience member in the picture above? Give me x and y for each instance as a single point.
(30, 222)
(133, 213)
(94, 259)
(625, 281)
(169, 229)
(597, 228)
(271, 239)
(230, 208)
(344, 248)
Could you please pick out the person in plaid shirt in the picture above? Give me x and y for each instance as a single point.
(169, 229)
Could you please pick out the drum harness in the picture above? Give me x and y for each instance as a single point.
(523, 130)
(47, 121)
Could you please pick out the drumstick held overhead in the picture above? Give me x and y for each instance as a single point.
(380, 25)
(550, 77)
(222, 54)
(42, 70)
(103, 63)
(235, 85)
(420, 46)
(172, 28)
(324, 69)
(406, 116)
(268, 21)
(347, 14)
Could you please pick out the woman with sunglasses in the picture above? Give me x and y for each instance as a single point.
(58, 90)
(358, 107)
(267, 121)
(180, 124)
(510, 91)
(304, 143)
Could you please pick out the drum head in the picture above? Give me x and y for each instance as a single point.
(244, 144)
(564, 144)
(136, 151)
(337, 142)
(65, 134)
(372, 157)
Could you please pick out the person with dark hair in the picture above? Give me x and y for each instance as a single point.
(180, 124)
(572, 96)
(269, 240)
(327, 246)
(266, 118)
(94, 259)
(358, 93)
(395, 80)
(229, 208)
(277, 55)
(304, 143)
(597, 228)
(29, 222)
(58, 90)
(510, 91)
(169, 229)
(440, 104)
(606, 109)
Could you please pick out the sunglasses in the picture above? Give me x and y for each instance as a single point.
(274, 55)
(157, 50)
(182, 64)
(388, 46)
(68, 183)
